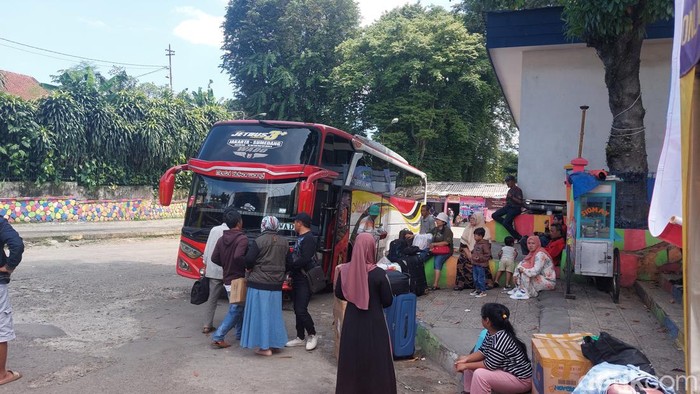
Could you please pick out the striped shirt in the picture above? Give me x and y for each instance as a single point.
(502, 352)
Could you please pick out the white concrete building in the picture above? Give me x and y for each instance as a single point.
(546, 77)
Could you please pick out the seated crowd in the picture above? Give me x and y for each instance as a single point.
(542, 252)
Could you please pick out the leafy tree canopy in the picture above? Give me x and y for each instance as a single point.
(279, 54)
(473, 10)
(101, 130)
(422, 66)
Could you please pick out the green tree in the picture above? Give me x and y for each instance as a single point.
(280, 53)
(616, 29)
(422, 66)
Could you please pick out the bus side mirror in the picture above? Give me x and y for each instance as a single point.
(166, 189)
(167, 184)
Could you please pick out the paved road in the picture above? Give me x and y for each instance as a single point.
(113, 317)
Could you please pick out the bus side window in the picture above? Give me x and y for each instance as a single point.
(328, 159)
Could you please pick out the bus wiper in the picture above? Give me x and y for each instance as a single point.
(192, 233)
(278, 126)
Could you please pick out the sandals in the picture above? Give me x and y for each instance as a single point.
(434, 288)
(208, 330)
(458, 288)
(13, 375)
(220, 344)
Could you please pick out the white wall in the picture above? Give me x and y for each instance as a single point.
(556, 81)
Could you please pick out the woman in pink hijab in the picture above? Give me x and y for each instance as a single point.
(365, 363)
(535, 273)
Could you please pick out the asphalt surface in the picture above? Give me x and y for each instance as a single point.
(112, 316)
(94, 295)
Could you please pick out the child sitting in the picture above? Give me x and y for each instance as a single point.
(507, 263)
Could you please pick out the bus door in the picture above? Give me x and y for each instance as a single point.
(324, 213)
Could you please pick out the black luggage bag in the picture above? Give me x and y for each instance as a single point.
(400, 282)
(413, 265)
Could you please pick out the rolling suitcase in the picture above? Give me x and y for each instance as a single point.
(401, 320)
(413, 265)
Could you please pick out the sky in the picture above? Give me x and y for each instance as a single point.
(135, 33)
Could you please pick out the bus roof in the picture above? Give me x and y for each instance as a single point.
(361, 143)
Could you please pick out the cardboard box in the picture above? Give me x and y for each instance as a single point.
(338, 315)
(557, 362)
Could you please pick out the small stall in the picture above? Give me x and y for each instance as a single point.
(590, 247)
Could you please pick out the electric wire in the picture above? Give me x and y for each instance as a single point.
(80, 57)
(73, 61)
(151, 72)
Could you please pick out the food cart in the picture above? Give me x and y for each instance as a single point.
(590, 249)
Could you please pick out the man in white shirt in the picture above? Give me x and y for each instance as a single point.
(215, 275)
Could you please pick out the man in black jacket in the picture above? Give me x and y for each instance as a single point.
(9, 238)
(303, 258)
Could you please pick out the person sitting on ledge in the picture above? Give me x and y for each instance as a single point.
(546, 236)
(513, 208)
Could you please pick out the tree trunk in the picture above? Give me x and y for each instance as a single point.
(626, 148)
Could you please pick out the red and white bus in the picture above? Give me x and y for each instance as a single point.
(282, 168)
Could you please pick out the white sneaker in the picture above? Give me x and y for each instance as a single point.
(475, 292)
(520, 295)
(311, 342)
(513, 291)
(295, 342)
(480, 294)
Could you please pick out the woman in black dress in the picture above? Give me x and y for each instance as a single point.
(365, 364)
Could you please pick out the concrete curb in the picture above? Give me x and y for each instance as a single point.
(87, 236)
(669, 315)
(433, 348)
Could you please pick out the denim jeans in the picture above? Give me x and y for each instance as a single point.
(234, 318)
(301, 295)
(505, 217)
(479, 273)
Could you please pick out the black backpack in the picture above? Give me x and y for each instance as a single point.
(395, 250)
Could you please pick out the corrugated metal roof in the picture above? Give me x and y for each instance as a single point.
(465, 189)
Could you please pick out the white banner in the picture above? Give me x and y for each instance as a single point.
(666, 202)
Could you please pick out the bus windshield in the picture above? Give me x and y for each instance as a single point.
(209, 196)
(261, 143)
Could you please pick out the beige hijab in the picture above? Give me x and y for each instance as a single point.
(468, 233)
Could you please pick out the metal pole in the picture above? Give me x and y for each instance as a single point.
(170, 53)
(583, 125)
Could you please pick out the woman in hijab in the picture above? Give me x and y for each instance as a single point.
(263, 325)
(464, 279)
(535, 273)
(365, 363)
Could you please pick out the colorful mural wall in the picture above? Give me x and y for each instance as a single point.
(642, 255)
(68, 209)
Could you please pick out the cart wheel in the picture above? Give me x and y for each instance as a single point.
(616, 276)
(568, 274)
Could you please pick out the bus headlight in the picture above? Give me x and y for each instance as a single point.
(190, 251)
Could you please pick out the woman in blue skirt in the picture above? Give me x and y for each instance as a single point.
(263, 326)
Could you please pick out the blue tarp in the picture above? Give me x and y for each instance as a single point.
(582, 183)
